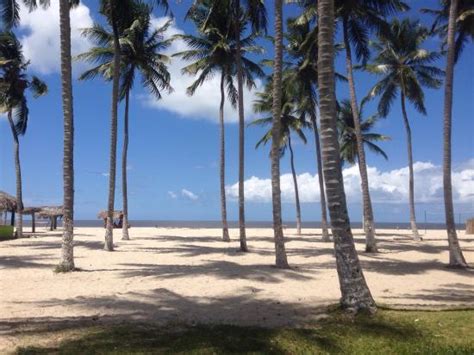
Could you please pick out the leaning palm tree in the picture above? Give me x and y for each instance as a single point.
(254, 13)
(140, 53)
(280, 252)
(213, 51)
(405, 68)
(355, 294)
(14, 82)
(290, 123)
(347, 135)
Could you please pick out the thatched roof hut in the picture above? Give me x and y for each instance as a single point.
(51, 212)
(7, 202)
(31, 210)
(116, 215)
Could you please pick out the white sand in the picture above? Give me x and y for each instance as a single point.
(188, 275)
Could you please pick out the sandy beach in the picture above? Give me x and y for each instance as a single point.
(189, 275)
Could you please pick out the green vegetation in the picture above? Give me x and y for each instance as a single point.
(388, 332)
(6, 232)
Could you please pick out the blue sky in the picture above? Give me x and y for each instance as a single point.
(173, 172)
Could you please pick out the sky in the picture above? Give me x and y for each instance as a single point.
(173, 154)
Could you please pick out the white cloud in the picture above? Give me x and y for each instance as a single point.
(189, 195)
(204, 104)
(172, 195)
(40, 37)
(385, 187)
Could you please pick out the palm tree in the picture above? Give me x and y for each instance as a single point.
(280, 252)
(10, 13)
(14, 83)
(118, 17)
(456, 258)
(454, 23)
(140, 52)
(67, 248)
(289, 123)
(302, 50)
(253, 12)
(464, 25)
(405, 68)
(347, 136)
(358, 19)
(214, 50)
(354, 290)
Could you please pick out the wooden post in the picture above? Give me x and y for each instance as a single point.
(470, 226)
(33, 222)
(13, 219)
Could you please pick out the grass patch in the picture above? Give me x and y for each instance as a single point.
(387, 332)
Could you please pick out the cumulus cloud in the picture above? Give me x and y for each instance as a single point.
(204, 104)
(40, 36)
(385, 187)
(189, 195)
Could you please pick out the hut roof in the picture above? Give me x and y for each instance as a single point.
(116, 214)
(51, 211)
(31, 210)
(7, 202)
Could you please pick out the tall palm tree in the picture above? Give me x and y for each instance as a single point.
(67, 247)
(347, 136)
(289, 123)
(454, 23)
(10, 13)
(302, 50)
(117, 15)
(354, 290)
(214, 50)
(405, 68)
(140, 53)
(14, 82)
(456, 257)
(254, 13)
(358, 19)
(280, 252)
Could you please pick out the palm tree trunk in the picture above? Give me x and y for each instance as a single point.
(125, 235)
(225, 227)
(411, 182)
(67, 247)
(240, 89)
(322, 193)
(19, 192)
(109, 236)
(280, 252)
(295, 183)
(355, 294)
(370, 242)
(456, 257)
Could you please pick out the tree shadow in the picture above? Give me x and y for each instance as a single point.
(26, 261)
(220, 269)
(458, 293)
(163, 306)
